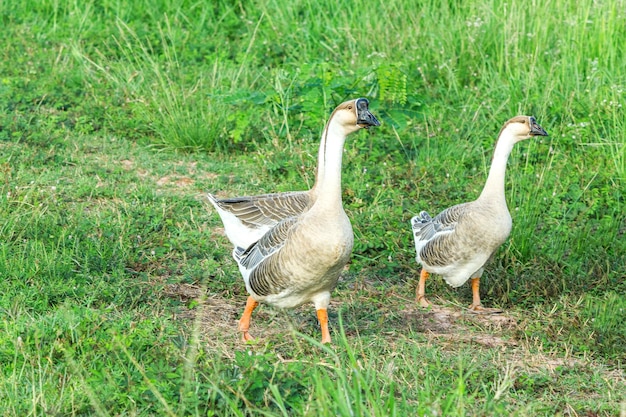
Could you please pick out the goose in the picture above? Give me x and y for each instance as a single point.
(460, 241)
(292, 247)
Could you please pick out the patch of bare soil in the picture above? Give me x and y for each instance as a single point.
(452, 324)
(174, 180)
(216, 320)
(171, 182)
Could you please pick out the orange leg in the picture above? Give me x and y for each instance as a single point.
(476, 306)
(244, 322)
(420, 293)
(322, 317)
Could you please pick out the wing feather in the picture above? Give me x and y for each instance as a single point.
(258, 260)
(266, 209)
(435, 237)
(265, 247)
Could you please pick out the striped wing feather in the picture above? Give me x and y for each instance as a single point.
(267, 209)
(265, 277)
(435, 239)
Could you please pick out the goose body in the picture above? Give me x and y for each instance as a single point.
(292, 247)
(460, 241)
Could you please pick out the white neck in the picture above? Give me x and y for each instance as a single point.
(328, 182)
(320, 159)
(494, 186)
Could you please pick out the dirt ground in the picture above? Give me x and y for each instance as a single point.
(216, 318)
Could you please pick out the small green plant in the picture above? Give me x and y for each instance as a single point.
(392, 84)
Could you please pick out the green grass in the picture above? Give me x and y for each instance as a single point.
(118, 295)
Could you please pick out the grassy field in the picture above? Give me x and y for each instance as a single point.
(118, 295)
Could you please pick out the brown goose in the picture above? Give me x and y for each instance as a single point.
(459, 241)
(298, 242)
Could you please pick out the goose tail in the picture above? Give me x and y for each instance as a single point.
(423, 229)
(212, 199)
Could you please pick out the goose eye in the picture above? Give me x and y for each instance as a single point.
(349, 107)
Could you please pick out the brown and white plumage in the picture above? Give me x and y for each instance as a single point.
(291, 247)
(459, 241)
(247, 219)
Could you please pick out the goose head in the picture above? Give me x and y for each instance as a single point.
(522, 127)
(353, 115)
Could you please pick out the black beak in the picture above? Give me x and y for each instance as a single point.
(535, 129)
(363, 115)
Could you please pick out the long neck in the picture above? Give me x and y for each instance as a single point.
(320, 159)
(494, 187)
(328, 184)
